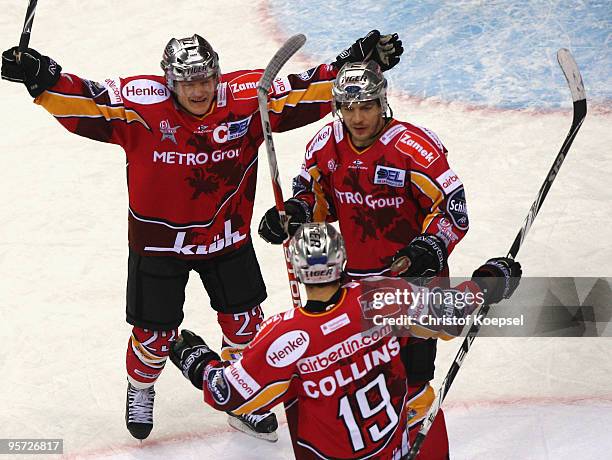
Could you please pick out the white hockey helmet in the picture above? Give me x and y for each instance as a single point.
(190, 58)
(360, 82)
(317, 253)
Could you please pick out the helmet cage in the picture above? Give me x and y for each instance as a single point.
(317, 253)
(187, 59)
(360, 82)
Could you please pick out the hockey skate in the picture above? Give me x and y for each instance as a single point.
(262, 426)
(139, 411)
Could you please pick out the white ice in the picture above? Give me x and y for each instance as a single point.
(63, 253)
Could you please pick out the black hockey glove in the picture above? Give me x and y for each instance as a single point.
(359, 51)
(385, 50)
(427, 255)
(191, 355)
(498, 278)
(388, 51)
(270, 228)
(38, 73)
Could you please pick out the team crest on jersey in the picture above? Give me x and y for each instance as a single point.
(418, 148)
(386, 175)
(168, 132)
(331, 165)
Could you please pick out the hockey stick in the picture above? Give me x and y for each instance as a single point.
(576, 86)
(24, 40)
(289, 48)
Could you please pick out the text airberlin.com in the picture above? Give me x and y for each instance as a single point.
(418, 301)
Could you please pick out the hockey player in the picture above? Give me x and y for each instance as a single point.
(390, 187)
(191, 138)
(338, 372)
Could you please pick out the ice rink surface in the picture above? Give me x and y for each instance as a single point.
(63, 248)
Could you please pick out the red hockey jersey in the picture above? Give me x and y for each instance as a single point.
(191, 180)
(339, 371)
(384, 195)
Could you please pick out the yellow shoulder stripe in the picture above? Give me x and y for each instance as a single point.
(432, 191)
(63, 105)
(316, 92)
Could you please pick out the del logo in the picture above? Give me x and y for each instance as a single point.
(245, 86)
(418, 148)
(319, 141)
(168, 132)
(146, 92)
(386, 175)
(288, 348)
(232, 130)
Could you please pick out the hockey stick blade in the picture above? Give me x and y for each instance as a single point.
(289, 48)
(574, 80)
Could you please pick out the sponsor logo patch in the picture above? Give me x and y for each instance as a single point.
(241, 380)
(245, 86)
(222, 94)
(343, 349)
(338, 131)
(457, 209)
(219, 242)
(386, 175)
(445, 232)
(95, 88)
(357, 164)
(215, 380)
(145, 92)
(281, 85)
(288, 348)
(113, 86)
(449, 181)
(418, 148)
(265, 328)
(389, 135)
(307, 75)
(369, 200)
(232, 130)
(319, 141)
(335, 324)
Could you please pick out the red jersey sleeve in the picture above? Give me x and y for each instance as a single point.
(260, 379)
(435, 186)
(300, 99)
(310, 185)
(91, 109)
